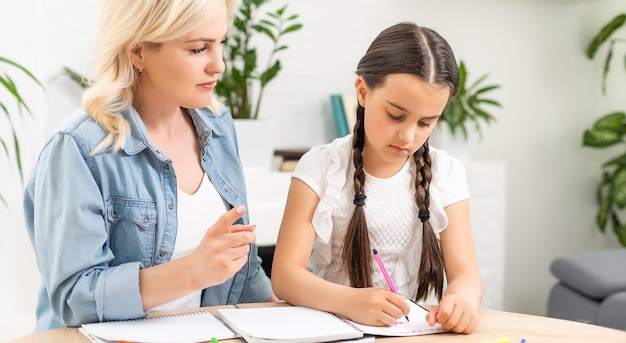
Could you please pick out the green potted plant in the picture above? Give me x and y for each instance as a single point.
(609, 131)
(11, 141)
(243, 83)
(468, 105)
(464, 115)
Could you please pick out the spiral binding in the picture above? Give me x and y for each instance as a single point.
(171, 315)
(346, 321)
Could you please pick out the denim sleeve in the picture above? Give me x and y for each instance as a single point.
(64, 212)
(258, 287)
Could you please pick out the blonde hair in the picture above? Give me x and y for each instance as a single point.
(122, 25)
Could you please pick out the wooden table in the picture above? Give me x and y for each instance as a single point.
(493, 325)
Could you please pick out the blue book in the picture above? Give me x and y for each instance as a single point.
(339, 114)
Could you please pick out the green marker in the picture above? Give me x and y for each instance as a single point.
(214, 340)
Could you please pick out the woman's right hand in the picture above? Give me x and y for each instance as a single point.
(375, 306)
(223, 250)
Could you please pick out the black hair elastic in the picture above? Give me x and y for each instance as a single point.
(424, 215)
(359, 199)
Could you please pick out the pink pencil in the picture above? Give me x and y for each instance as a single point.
(386, 275)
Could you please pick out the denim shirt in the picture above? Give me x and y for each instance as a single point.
(94, 221)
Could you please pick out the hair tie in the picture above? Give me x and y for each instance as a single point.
(424, 215)
(359, 199)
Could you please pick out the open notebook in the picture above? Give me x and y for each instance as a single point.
(199, 326)
(301, 324)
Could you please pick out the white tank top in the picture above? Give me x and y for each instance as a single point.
(196, 213)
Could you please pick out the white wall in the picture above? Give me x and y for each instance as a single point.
(534, 49)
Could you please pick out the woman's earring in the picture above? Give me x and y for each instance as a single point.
(140, 69)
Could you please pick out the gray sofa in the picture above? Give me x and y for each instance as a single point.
(591, 288)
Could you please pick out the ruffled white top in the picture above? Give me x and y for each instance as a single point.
(390, 211)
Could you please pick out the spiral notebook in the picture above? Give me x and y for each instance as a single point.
(301, 324)
(198, 326)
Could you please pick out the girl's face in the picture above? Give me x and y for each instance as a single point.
(183, 72)
(399, 117)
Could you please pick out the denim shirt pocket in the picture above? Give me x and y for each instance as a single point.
(132, 230)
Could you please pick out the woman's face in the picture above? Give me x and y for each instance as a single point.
(183, 72)
(399, 117)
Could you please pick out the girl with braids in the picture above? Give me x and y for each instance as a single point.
(383, 187)
(138, 202)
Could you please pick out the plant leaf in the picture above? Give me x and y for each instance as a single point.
(265, 30)
(292, 28)
(611, 121)
(9, 85)
(601, 138)
(618, 189)
(604, 208)
(604, 34)
(607, 67)
(23, 69)
(620, 231)
(615, 222)
(268, 23)
(270, 73)
(81, 80)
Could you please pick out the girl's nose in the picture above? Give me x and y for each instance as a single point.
(407, 133)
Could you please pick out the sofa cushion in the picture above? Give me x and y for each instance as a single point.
(596, 274)
(611, 311)
(566, 303)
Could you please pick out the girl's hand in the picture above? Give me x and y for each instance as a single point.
(224, 249)
(456, 314)
(375, 306)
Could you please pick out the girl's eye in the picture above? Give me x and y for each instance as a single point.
(395, 118)
(423, 124)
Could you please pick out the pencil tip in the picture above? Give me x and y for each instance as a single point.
(374, 251)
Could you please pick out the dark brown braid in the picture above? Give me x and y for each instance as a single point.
(401, 48)
(430, 274)
(356, 253)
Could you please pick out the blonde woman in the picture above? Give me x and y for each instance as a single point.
(138, 203)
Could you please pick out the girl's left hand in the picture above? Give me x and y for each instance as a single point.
(456, 314)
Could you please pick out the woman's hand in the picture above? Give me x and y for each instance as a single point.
(456, 314)
(374, 306)
(224, 249)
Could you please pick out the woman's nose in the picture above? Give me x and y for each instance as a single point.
(216, 64)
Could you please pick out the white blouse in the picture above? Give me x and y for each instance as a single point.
(390, 210)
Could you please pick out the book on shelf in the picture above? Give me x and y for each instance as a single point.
(290, 324)
(339, 115)
(349, 107)
(289, 157)
(288, 165)
(344, 112)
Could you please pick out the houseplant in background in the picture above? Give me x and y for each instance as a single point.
(465, 113)
(241, 88)
(242, 85)
(609, 131)
(12, 142)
